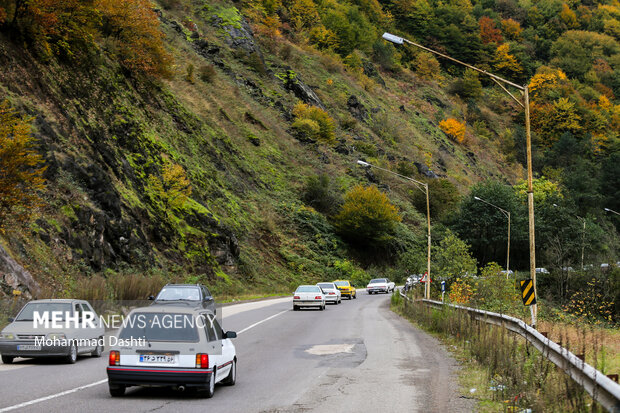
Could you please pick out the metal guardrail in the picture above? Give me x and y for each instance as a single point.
(603, 390)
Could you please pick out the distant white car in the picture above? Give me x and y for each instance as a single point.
(331, 292)
(380, 285)
(542, 270)
(308, 296)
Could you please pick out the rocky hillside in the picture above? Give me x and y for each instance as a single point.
(199, 174)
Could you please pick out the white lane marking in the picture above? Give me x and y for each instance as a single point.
(257, 323)
(53, 396)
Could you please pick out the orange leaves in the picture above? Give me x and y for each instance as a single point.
(21, 170)
(488, 31)
(460, 292)
(135, 26)
(454, 129)
(2, 15)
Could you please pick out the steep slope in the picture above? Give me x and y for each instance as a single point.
(122, 152)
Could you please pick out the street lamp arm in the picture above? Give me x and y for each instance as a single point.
(612, 211)
(506, 213)
(418, 183)
(395, 39)
(507, 91)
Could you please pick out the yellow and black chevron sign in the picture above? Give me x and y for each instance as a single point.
(527, 292)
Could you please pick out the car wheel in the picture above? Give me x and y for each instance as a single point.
(231, 379)
(210, 389)
(99, 349)
(7, 359)
(71, 358)
(355, 296)
(116, 390)
(295, 308)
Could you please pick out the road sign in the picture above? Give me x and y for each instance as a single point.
(443, 286)
(527, 292)
(425, 277)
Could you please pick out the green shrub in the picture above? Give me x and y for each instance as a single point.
(308, 118)
(207, 73)
(321, 194)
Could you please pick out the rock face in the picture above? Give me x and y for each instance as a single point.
(357, 109)
(293, 83)
(14, 277)
(423, 169)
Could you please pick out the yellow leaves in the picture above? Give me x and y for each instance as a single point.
(314, 122)
(427, 66)
(454, 129)
(460, 292)
(173, 187)
(303, 14)
(512, 29)
(604, 102)
(21, 167)
(506, 62)
(569, 17)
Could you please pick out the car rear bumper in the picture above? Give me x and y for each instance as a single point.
(306, 303)
(11, 348)
(158, 376)
(377, 289)
(333, 298)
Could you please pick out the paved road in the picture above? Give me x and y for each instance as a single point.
(354, 357)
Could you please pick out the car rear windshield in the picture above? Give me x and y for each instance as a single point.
(342, 283)
(161, 327)
(308, 289)
(378, 280)
(179, 293)
(29, 311)
(327, 286)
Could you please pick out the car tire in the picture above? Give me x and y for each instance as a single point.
(295, 308)
(231, 379)
(116, 390)
(355, 296)
(209, 391)
(7, 359)
(71, 358)
(99, 349)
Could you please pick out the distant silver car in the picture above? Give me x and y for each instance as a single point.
(332, 293)
(73, 328)
(308, 296)
(380, 285)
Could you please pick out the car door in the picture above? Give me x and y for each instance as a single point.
(95, 331)
(227, 352)
(214, 343)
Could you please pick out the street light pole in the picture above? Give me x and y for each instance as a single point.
(525, 104)
(424, 188)
(507, 214)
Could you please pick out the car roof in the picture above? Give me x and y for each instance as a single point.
(58, 300)
(183, 285)
(170, 308)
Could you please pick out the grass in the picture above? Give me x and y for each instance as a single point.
(501, 366)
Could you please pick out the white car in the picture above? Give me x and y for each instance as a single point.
(172, 346)
(308, 296)
(73, 328)
(331, 292)
(380, 285)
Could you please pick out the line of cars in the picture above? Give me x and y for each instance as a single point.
(177, 341)
(320, 294)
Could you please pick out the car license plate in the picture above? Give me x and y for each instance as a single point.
(156, 358)
(28, 347)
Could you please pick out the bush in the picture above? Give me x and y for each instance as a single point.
(321, 194)
(306, 117)
(367, 217)
(207, 73)
(454, 129)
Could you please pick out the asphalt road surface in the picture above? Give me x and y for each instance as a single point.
(357, 356)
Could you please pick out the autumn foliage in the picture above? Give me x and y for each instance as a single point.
(21, 167)
(488, 31)
(454, 129)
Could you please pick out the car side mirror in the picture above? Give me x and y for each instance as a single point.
(151, 298)
(230, 334)
(11, 319)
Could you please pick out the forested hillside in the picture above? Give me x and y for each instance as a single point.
(217, 141)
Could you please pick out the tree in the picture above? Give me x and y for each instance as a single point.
(469, 87)
(321, 194)
(505, 62)
(21, 167)
(451, 259)
(367, 218)
(489, 33)
(454, 129)
(314, 123)
(443, 199)
(576, 51)
(512, 29)
(427, 66)
(135, 27)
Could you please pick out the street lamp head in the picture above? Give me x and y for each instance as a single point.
(477, 199)
(392, 38)
(363, 163)
(607, 209)
(555, 205)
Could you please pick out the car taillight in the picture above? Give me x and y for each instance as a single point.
(202, 361)
(296, 297)
(318, 297)
(115, 358)
(332, 293)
